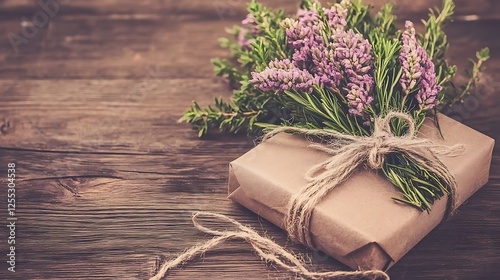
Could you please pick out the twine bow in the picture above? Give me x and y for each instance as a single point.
(265, 248)
(348, 153)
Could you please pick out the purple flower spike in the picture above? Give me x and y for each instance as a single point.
(308, 17)
(353, 53)
(410, 58)
(359, 95)
(337, 15)
(303, 35)
(305, 30)
(429, 90)
(326, 67)
(283, 75)
(418, 70)
(250, 24)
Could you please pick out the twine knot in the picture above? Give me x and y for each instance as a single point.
(382, 134)
(376, 155)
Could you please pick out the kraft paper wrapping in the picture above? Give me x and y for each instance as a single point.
(357, 223)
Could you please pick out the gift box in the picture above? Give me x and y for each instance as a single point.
(357, 223)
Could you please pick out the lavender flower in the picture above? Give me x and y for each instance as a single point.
(353, 53)
(308, 17)
(410, 58)
(429, 90)
(283, 75)
(418, 69)
(337, 15)
(326, 67)
(303, 35)
(250, 23)
(304, 29)
(249, 26)
(359, 95)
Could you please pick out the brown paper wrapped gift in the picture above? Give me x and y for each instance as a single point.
(357, 223)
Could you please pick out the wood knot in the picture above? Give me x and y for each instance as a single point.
(5, 126)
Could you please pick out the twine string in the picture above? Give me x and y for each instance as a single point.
(264, 247)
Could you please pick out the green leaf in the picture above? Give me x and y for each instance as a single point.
(483, 54)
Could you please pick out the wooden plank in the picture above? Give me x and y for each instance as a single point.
(65, 48)
(100, 115)
(135, 116)
(232, 8)
(109, 194)
(108, 179)
(108, 216)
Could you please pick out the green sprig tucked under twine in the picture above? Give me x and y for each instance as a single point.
(266, 52)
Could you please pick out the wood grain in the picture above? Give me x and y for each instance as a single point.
(107, 179)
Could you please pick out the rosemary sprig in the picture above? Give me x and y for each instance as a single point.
(419, 187)
(386, 73)
(224, 115)
(462, 92)
(247, 106)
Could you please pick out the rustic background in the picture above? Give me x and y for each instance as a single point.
(107, 179)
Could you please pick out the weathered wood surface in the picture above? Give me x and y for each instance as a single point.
(107, 179)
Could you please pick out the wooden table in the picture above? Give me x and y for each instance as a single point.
(107, 179)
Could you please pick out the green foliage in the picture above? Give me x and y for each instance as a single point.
(435, 42)
(247, 105)
(222, 116)
(251, 110)
(386, 73)
(322, 109)
(385, 20)
(359, 17)
(419, 187)
(459, 93)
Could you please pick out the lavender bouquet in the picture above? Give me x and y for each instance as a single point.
(338, 68)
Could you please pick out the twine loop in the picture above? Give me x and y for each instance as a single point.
(265, 248)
